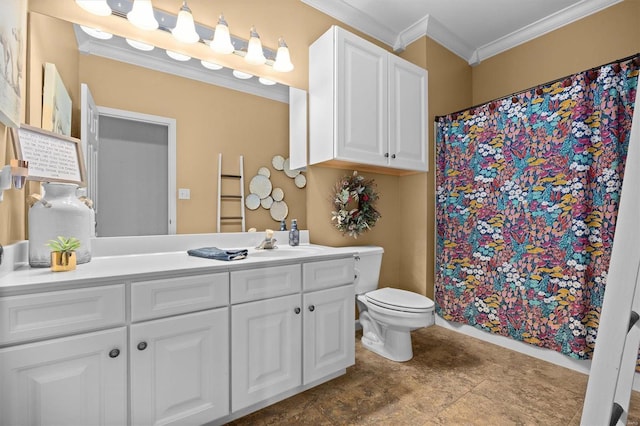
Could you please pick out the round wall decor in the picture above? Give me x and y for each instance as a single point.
(252, 201)
(277, 194)
(260, 185)
(279, 210)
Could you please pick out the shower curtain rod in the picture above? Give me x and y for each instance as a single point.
(628, 58)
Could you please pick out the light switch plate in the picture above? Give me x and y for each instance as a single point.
(184, 194)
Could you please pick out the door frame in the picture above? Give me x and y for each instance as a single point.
(170, 124)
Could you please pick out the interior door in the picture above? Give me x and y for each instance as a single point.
(89, 128)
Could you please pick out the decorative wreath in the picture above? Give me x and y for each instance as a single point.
(354, 205)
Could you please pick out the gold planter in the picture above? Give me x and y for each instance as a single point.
(63, 261)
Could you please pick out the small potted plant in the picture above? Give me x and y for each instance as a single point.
(63, 253)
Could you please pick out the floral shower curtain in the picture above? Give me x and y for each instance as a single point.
(527, 197)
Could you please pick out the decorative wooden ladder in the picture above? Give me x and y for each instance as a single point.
(614, 360)
(230, 197)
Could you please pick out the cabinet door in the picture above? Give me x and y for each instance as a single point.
(266, 348)
(180, 369)
(78, 380)
(407, 115)
(361, 101)
(329, 331)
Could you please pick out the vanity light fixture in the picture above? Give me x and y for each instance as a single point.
(141, 15)
(241, 75)
(266, 81)
(96, 33)
(211, 65)
(97, 7)
(185, 30)
(140, 45)
(255, 55)
(221, 42)
(177, 56)
(283, 59)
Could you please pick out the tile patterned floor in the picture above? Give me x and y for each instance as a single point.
(452, 379)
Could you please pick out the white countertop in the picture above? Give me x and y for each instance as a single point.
(138, 264)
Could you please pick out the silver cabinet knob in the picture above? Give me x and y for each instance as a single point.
(296, 310)
(113, 353)
(142, 346)
(312, 308)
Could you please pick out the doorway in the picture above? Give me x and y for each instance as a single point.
(131, 169)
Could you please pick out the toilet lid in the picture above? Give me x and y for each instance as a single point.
(400, 300)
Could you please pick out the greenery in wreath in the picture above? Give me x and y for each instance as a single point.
(354, 201)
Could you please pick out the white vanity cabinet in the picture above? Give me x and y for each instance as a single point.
(173, 346)
(366, 105)
(266, 349)
(329, 317)
(180, 364)
(280, 343)
(80, 379)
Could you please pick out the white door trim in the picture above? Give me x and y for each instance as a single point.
(170, 123)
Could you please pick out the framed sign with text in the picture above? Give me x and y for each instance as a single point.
(52, 157)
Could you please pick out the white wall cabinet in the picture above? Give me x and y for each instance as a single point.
(366, 105)
(78, 380)
(180, 369)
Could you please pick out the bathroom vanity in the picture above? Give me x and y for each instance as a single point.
(166, 338)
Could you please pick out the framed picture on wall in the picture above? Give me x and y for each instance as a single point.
(56, 102)
(12, 56)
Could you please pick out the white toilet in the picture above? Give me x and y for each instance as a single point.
(387, 315)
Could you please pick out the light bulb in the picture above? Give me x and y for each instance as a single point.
(221, 42)
(185, 30)
(139, 45)
(141, 15)
(283, 59)
(255, 55)
(99, 34)
(211, 65)
(97, 7)
(177, 56)
(266, 81)
(241, 75)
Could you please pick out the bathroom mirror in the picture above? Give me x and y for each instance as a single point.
(210, 119)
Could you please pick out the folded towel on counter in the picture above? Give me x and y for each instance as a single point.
(218, 254)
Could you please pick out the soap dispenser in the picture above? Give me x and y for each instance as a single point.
(294, 234)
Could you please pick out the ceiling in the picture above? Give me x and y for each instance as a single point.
(473, 29)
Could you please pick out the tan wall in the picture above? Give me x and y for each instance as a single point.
(611, 34)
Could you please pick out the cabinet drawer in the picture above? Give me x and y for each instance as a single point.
(327, 274)
(256, 284)
(161, 298)
(55, 313)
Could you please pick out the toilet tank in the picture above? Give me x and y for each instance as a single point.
(368, 262)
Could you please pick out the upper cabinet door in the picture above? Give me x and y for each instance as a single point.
(408, 142)
(361, 100)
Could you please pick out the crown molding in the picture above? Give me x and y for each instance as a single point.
(543, 26)
(447, 38)
(431, 27)
(353, 17)
(157, 60)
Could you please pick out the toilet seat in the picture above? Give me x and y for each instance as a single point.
(400, 300)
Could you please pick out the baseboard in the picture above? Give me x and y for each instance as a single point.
(582, 366)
